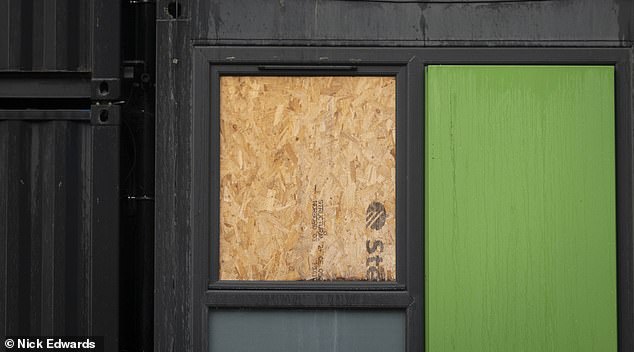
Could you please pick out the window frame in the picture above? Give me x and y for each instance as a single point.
(398, 72)
(408, 293)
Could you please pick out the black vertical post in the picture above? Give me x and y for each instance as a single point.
(137, 177)
(105, 120)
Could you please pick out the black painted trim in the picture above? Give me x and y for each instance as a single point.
(212, 292)
(106, 49)
(104, 235)
(213, 111)
(307, 299)
(44, 85)
(45, 115)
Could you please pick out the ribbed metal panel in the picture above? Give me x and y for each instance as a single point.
(45, 200)
(58, 228)
(59, 168)
(45, 35)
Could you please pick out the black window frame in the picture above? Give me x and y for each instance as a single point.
(213, 110)
(408, 293)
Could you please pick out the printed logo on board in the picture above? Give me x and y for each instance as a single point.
(375, 216)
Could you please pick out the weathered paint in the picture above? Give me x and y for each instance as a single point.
(590, 23)
(408, 21)
(59, 242)
(520, 235)
(51, 35)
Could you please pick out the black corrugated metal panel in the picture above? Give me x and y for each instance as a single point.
(45, 35)
(59, 168)
(72, 44)
(59, 229)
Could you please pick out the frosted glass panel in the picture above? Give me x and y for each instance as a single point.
(306, 330)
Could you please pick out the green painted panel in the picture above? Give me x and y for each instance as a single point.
(520, 230)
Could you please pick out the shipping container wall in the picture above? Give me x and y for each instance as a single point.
(59, 168)
(58, 198)
(37, 35)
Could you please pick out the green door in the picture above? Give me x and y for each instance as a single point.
(520, 238)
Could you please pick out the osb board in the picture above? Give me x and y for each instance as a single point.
(307, 178)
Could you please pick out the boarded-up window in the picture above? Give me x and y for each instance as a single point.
(307, 178)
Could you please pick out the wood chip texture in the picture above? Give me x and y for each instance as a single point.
(307, 178)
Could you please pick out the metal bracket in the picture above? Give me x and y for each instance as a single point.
(105, 88)
(105, 114)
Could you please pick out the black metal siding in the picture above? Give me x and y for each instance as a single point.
(59, 168)
(57, 186)
(412, 23)
(45, 35)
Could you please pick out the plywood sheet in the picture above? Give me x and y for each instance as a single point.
(307, 178)
(520, 209)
